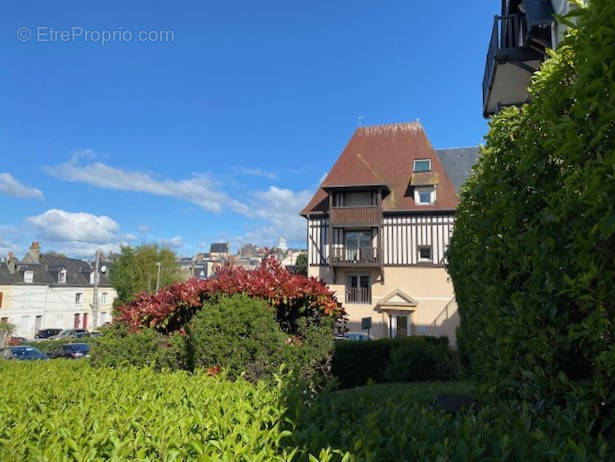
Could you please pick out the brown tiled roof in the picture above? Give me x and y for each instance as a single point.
(384, 155)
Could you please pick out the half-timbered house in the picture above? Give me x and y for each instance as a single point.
(379, 225)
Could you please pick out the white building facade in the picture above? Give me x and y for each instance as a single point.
(42, 292)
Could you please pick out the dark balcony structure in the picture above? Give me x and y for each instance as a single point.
(519, 40)
(356, 216)
(359, 256)
(355, 222)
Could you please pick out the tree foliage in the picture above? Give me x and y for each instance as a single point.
(301, 264)
(135, 270)
(532, 256)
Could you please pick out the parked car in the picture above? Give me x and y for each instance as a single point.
(71, 333)
(14, 341)
(353, 336)
(95, 333)
(46, 333)
(21, 353)
(358, 336)
(71, 351)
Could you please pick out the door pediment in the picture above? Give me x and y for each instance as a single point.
(397, 301)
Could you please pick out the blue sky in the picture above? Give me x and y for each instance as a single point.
(221, 123)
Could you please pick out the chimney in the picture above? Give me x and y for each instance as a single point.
(34, 254)
(11, 262)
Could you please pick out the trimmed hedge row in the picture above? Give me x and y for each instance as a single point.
(67, 410)
(72, 411)
(395, 422)
(402, 359)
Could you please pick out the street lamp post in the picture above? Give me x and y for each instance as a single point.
(158, 264)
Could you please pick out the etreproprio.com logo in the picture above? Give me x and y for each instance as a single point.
(48, 34)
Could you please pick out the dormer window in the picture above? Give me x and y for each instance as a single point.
(28, 276)
(62, 276)
(422, 165)
(425, 195)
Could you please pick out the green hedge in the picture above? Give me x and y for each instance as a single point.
(395, 422)
(404, 359)
(118, 347)
(532, 255)
(67, 410)
(86, 413)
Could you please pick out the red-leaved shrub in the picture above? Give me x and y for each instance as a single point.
(293, 296)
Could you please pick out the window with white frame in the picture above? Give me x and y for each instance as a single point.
(425, 253)
(78, 297)
(28, 276)
(422, 165)
(425, 195)
(62, 276)
(103, 298)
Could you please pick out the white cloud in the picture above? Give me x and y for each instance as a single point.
(173, 243)
(13, 187)
(59, 225)
(279, 209)
(254, 172)
(274, 211)
(144, 229)
(78, 234)
(199, 189)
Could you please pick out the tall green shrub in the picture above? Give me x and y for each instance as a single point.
(533, 254)
(402, 359)
(238, 333)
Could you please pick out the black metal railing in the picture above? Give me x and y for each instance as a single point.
(359, 296)
(508, 32)
(354, 255)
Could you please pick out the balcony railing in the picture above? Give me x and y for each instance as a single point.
(359, 296)
(354, 255)
(508, 32)
(366, 215)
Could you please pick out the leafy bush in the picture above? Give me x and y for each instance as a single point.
(61, 410)
(415, 361)
(239, 334)
(309, 354)
(6, 329)
(291, 295)
(119, 347)
(532, 254)
(138, 414)
(384, 360)
(395, 422)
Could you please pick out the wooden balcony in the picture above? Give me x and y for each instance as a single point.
(347, 256)
(358, 296)
(514, 54)
(355, 216)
